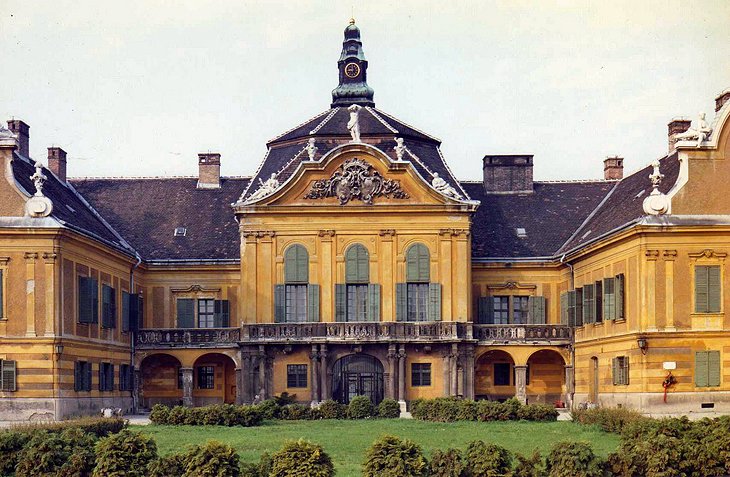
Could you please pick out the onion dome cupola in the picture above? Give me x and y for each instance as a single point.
(353, 87)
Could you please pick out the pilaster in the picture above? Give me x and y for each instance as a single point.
(650, 290)
(669, 257)
(327, 275)
(187, 379)
(387, 280)
(445, 275)
(521, 383)
(49, 259)
(30, 261)
(314, 369)
(402, 378)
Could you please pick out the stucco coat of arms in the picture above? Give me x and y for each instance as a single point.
(356, 179)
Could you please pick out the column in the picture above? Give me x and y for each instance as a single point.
(136, 388)
(521, 383)
(454, 370)
(469, 373)
(261, 385)
(324, 382)
(402, 378)
(248, 391)
(569, 386)
(390, 383)
(187, 378)
(239, 386)
(669, 257)
(49, 259)
(30, 258)
(447, 373)
(314, 368)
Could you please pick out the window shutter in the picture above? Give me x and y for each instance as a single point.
(185, 313)
(140, 312)
(536, 315)
(412, 264)
(401, 302)
(434, 302)
(626, 370)
(296, 264)
(112, 308)
(125, 311)
(701, 289)
(84, 302)
(714, 290)
(483, 309)
(110, 377)
(225, 313)
(133, 311)
(418, 263)
(614, 365)
(94, 301)
(578, 307)
(217, 314)
(340, 302)
(424, 264)
(87, 383)
(620, 301)
(701, 369)
(102, 377)
(713, 368)
(279, 303)
(357, 264)
(2, 311)
(77, 376)
(588, 303)
(373, 313)
(8, 378)
(609, 299)
(598, 302)
(572, 317)
(313, 303)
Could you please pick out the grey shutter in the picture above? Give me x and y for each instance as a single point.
(713, 368)
(77, 376)
(87, 376)
(340, 302)
(418, 264)
(620, 301)
(536, 313)
(578, 307)
(626, 371)
(84, 302)
(225, 313)
(401, 302)
(701, 289)
(434, 302)
(357, 264)
(609, 299)
(279, 303)
(2, 311)
(483, 309)
(140, 312)
(588, 304)
(185, 313)
(125, 311)
(102, 377)
(598, 302)
(373, 312)
(701, 369)
(94, 287)
(296, 264)
(313, 303)
(110, 377)
(572, 308)
(714, 289)
(615, 371)
(8, 375)
(217, 314)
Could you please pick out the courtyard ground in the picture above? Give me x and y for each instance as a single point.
(347, 441)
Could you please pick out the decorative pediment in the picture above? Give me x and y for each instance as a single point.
(708, 253)
(512, 286)
(356, 179)
(195, 289)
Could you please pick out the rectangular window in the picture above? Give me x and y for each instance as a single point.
(8, 375)
(609, 299)
(501, 310)
(708, 289)
(598, 302)
(125, 377)
(296, 303)
(125, 312)
(206, 313)
(520, 308)
(206, 377)
(707, 369)
(502, 372)
(108, 307)
(417, 301)
(621, 370)
(357, 302)
(88, 300)
(2, 308)
(106, 377)
(82, 376)
(589, 303)
(296, 375)
(420, 374)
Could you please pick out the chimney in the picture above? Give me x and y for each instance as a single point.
(613, 168)
(209, 172)
(721, 99)
(676, 126)
(20, 129)
(57, 162)
(508, 174)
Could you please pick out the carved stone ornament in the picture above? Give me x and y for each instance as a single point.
(356, 179)
(39, 205)
(656, 203)
(700, 133)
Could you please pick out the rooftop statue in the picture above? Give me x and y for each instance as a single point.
(656, 203)
(443, 187)
(701, 132)
(353, 125)
(311, 148)
(266, 188)
(399, 148)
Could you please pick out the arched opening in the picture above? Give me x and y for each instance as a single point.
(357, 375)
(214, 380)
(593, 380)
(546, 374)
(160, 381)
(495, 376)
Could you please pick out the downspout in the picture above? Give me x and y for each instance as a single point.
(572, 333)
(133, 336)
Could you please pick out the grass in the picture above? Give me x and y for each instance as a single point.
(347, 441)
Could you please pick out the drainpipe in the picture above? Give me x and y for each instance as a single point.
(133, 336)
(572, 334)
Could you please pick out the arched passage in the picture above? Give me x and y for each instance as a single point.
(495, 376)
(214, 380)
(160, 382)
(546, 374)
(357, 375)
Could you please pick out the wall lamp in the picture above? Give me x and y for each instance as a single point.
(59, 349)
(643, 344)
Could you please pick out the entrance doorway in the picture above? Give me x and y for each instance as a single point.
(357, 375)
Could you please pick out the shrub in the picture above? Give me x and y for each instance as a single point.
(331, 409)
(573, 459)
(538, 412)
(487, 460)
(11, 443)
(53, 454)
(389, 409)
(285, 399)
(124, 454)
(295, 412)
(529, 466)
(172, 465)
(420, 409)
(160, 414)
(609, 419)
(492, 411)
(448, 463)
(467, 410)
(360, 408)
(212, 459)
(99, 426)
(269, 409)
(301, 459)
(249, 416)
(390, 456)
(177, 415)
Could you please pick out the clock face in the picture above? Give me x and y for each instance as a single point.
(352, 70)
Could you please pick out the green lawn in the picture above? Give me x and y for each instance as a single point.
(347, 441)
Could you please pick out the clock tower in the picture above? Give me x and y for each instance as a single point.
(353, 87)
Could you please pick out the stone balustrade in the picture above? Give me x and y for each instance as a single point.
(188, 337)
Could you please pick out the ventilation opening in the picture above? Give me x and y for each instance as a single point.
(707, 405)
(180, 232)
(521, 233)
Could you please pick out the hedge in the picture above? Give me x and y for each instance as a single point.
(454, 409)
(217, 415)
(607, 418)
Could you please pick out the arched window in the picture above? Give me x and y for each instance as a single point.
(357, 299)
(357, 264)
(296, 265)
(296, 300)
(418, 299)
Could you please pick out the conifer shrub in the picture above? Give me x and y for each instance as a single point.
(177, 416)
(301, 459)
(160, 414)
(269, 408)
(609, 419)
(99, 426)
(487, 460)
(389, 409)
(11, 444)
(448, 463)
(390, 456)
(360, 407)
(57, 454)
(125, 454)
(573, 459)
(331, 409)
(171, 465)
(529, 466)
(213, 459)
(295, 412)
(538, 412)
(467, 410)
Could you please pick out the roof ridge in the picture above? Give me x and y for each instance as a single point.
(446, 165)
(588, 218)
(296, 127)
(324, 121)
(382, 121)
(134, 178)
(255, 174)
(406, 124)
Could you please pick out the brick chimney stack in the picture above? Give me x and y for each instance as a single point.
(508, 174)
(22, 130)
(676, 126)
(721, 99)
(613, 168)
(209, 170)
(57, 162)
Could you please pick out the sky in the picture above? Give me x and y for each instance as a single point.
(140, 87)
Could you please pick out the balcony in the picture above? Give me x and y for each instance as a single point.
(188, 337)
(522, 334)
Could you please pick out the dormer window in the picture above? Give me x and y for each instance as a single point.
(180, 232)
(521, 232)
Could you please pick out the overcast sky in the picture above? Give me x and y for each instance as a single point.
(138, 88)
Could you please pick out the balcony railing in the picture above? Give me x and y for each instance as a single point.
(510, 334)
(154, 338)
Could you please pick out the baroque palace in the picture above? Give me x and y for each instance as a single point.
(353, 262)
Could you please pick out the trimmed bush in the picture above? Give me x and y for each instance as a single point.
(448, 463)
(124, 454)
(11, 443)
(331, 409)
(301, 459)
(177, 415)
(172, 465)
(608, 418)
(160, 414)
(285, 399)
(53, 454)
(295, 412)
(538, 412)
(212, 460)
(390, 456)
(389, 409)
(573, 459)
(487, 460)
(529, 466)
(269, 409)
(360, 408)
(216, 415)
(98, 426)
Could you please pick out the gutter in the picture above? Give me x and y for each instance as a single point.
(132, 332)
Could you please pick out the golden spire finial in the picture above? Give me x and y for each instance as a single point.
(352, 20)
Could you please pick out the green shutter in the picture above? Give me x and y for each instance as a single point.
(279, 303)
(125, 311)
(588, 304)
(714, 290)
(110, 377)
(578, 307)
(401, 302)
(713, 368)
(77, 376)
(313, 303)
(185, 313)
(102, 378)
(536, 310)
(94, 287)
(296, 264)
(434, 302)
(108, 306)
(484, 309)
(619, 292)
(2, 311)
(373, 311)
(598, 302)
(614, 366)
(626, 371)
(418, 264)
(340, 302)
(87, 376)
(701, 369)
(357, 264)
(225, 313)
(572, 308)
(83, 302)
(609, 299)
(701, 289)
(564, 308)
(7, 376)
(217, 314)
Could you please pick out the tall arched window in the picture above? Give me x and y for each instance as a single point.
(296, 300)
(357, 299)
(418, 299)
